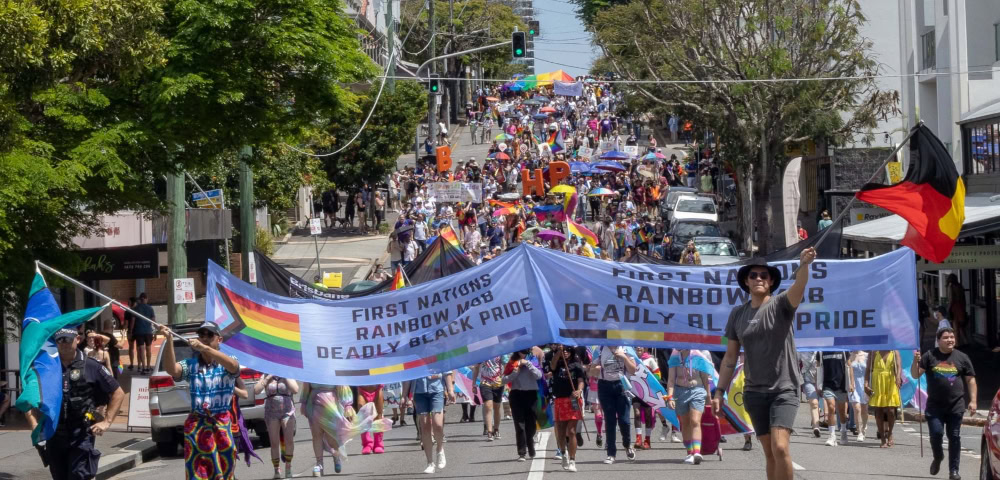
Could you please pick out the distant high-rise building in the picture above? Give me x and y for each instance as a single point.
(526, 10)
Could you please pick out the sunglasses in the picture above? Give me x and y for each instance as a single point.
(65, 340)
(205, 334)
(760, 275)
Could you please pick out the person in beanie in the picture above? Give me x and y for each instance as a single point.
(764, 329)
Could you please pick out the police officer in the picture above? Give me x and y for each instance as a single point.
(87, 385)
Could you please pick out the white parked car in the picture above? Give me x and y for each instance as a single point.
(717, 250)
(691, 207)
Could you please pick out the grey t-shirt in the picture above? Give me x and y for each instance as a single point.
(767, 337)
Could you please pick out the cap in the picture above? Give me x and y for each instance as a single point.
(211, 327)
(65, 333)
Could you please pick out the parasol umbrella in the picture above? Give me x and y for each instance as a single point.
(550, 234)
(547, 110)
(579, 167)
(530, 232)
(499, 156)
(532, 102)
(608, 165)
(492, 99)
(650, 156)
(541, 97)
(539, 116)
(646, 172)
(509, 196)
(403, 229)
(614, 155)
(563, 189)
(601, 192)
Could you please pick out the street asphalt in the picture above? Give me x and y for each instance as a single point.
(470, 455)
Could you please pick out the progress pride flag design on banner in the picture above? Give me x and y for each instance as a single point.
(532, 296)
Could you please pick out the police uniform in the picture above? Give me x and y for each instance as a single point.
(71, 452)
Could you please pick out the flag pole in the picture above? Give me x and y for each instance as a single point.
(843, 213)
(39, 264)
(406, 277)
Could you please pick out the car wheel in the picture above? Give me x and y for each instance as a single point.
(985, 471)
(166, 449)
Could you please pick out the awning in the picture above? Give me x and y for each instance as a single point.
(989, 111)
(981, 216)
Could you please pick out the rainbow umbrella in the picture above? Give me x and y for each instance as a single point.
(601, 192)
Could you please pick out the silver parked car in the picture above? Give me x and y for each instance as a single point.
(170, 401)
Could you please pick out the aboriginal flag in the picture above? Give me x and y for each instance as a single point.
(931, 197)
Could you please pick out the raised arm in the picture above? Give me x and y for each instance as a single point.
(798, 288)
(169, 361)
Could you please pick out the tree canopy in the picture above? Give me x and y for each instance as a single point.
(759, 73)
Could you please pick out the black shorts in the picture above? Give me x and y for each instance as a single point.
(769, 410)
(143, 339)
(494, 394)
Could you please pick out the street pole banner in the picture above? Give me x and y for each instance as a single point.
(532, 296)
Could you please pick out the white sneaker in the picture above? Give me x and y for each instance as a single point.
(558, 455)
(609, 460)
(675, 439)
(697, 459)
(318, 471)
(689, 460)
(429, 469)
(843, 437)
(565, 463)
(861, 437)
(572, 466)
(277, 474)
(442, 462)
(832, 441)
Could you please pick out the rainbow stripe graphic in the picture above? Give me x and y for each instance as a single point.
(448, 234)
(641, 335)
(489, 342)
(260, 331)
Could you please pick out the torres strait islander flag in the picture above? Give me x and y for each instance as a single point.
(931, 197)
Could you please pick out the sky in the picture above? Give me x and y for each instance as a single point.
(563, 45)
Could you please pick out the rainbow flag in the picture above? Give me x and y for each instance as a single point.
(734, 417)
(448, 234)
(643, 236)
(582, 232)
(397, 280)
(260, 331)
(556, 143)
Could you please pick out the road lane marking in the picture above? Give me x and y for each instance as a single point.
(538, 463)
(797, 466)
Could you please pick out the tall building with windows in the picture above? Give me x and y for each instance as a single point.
(369, 17)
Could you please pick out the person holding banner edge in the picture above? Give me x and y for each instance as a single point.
(764, 328)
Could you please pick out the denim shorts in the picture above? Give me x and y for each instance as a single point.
(771, 409)
(687, 399)
(834, 395)
(809, 389)
(428, 402)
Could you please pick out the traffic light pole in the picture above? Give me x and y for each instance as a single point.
(432, 96)
(424, 65)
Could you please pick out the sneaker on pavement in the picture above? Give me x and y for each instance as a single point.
(442, 462)
(748, 445)
(675, 439)
(430, 468)
(610, 460)
(697, 459)
(689, 460)
(558, 455)
(336, 464)
(277, 474)
(861, 437)
(600, 441)
(954, 476)
(843, 437)
(521, 458)
(832, 441)
(579, 439)
(572, 466)
(318, 471)
(630, 453)
(816, 432)
(565, 463)
(936, 465)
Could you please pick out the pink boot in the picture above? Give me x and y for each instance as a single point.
(366, 443)
(379, 448)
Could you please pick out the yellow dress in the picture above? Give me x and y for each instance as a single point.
(883, 383)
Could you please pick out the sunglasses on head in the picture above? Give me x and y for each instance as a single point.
(760, 275)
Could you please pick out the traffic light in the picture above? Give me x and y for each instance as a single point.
(518, 45)
(434, 85)
(533, 28)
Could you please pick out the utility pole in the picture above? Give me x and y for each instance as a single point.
(176, 253)
(390, 37)
(248, 226)
(432, 98)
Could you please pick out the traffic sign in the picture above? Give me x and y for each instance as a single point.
(315, 227)
(184, 290)
(209, 199)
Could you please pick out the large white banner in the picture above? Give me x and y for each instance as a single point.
(457, 192)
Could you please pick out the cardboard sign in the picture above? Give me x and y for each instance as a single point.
(184, 290)
(894, 171)
(585, 152)
(333, 279)
(315, 227)
(457, 192)
(138, 403)
(631, 150)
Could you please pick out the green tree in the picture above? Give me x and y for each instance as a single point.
(735, 60)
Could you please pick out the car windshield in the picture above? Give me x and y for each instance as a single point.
(672, 198)
(697, 230)
(696, 206)
(724, 249)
